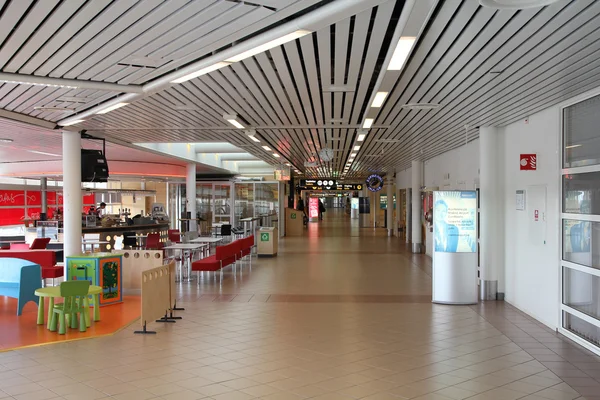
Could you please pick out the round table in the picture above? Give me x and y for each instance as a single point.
(54, 291)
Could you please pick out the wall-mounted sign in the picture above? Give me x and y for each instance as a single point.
(282, 173)
(313, 208)
(528, 162)
(375, 183)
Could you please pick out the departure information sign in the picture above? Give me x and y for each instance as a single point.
(327, 184)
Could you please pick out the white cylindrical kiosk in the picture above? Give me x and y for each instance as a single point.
(455, 247)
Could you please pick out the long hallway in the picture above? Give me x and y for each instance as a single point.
(343, 313)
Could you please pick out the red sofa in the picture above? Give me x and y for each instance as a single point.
(44, 258)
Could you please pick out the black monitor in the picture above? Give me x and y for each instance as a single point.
(94, 167)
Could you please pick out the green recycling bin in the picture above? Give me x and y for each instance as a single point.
(267, 242)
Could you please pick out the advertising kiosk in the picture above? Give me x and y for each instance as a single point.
(455, 247)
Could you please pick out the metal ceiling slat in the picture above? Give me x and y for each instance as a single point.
(258, 75)
(65, 34)
(525, 24)
(46, 96)
(145, 36)
(537, 28)
(195, 96)
(114, 35)
(238, 104)
(248, 95)
(64, 57)
(451, 35)
(310, 64)
(13, 94)
(125, 72)
(172, 98)
(382, 21)
(291, 51)
(213, 17)
(25, 28)
(274, 81)
(324, 44)
(24, 97)
(286, 79)
(56, 20)
(257, 93)
(11, 16)
(208, 43)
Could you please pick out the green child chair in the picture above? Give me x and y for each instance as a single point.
(73, 293)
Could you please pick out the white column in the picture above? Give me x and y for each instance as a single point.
(72, 201)
(44, 191)
(282, 206)
(408, 215)
(390, 208)
(190, 195)
(417, 177)
(490, 210)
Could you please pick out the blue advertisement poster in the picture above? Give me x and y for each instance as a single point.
(455, 221)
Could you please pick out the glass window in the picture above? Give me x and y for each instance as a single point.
(581, 193)
(581, 134)
(581, 328)
(581, 291)
(244, 201)
(581, 242)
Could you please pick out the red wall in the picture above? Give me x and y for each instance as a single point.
(17, 205)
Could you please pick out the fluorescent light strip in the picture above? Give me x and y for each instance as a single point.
(368, 123)
(201, 72)
(275, 155)
(235, 123)
(356, 148)
(361, 138)
(573, 146)
(44, 153)
(353, 155)
(77, 121)
(255, 139)
(401, 53)
(269, 45)
(39, 84)
(379, 99)
(111, 108)
(267, 148)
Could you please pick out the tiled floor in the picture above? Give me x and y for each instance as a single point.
(341, 314)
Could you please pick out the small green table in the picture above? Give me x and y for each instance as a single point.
(54, 291)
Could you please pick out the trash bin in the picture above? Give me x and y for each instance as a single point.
(267, 242)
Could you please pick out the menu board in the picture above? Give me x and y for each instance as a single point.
(455, 221)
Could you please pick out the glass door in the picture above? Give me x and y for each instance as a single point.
(222, 203)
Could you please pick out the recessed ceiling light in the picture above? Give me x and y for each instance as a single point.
(379, 99)
(6, 140)
(111, 108)
(515, 4)
(421, 106)
(44, 153)
(361, 138)
(76, 121)
(353, 155)
(288, 164)
(233, 120)
(275, 155)
(201, 72)
(63, 109)
(269, 45)
(38, 84)
(368, 123)
(573, 146)
(356, 148)
(255, 139)
(267, 148)
(401, 53)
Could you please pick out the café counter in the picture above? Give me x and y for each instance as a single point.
(113, 233)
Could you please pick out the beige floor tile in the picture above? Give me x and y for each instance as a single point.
(43, 394)
(233, 396)
(553, 394)
(456, 393)
(259, 391)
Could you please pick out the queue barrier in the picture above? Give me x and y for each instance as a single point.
(157, 290)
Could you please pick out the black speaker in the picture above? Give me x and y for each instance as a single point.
(94, 167)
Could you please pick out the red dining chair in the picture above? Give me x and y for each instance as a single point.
(153, 242)
(174, 235)
(39, 244)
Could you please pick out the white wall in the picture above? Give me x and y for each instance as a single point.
(531, 267)
(462, 165)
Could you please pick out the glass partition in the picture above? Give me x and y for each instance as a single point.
(222, 208)
(244, 202)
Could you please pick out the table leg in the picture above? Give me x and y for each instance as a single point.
(40, 317)
(50, 310)
(96, 307)
(86, 306)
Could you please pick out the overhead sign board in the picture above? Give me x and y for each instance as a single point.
(327, 184)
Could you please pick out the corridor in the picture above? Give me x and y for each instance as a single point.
(343, 313)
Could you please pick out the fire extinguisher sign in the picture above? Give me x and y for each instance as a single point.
(528, 162)
(536, 215)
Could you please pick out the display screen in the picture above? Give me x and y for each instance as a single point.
(455, 221)
(313, 207)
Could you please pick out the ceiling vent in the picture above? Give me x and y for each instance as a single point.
(339, 88)
(75, 99)
(421, 106)
(515, 4)
(54, 109)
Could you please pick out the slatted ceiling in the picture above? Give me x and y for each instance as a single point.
(541, 27)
